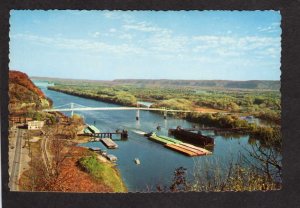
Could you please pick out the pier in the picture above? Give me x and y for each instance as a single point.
(123, 135)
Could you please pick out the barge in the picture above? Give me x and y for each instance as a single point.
(178, 146)
(192, 137)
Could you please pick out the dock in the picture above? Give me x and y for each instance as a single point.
(123, 134)
(95, 149)
(110, 144)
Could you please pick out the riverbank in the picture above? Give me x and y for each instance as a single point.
(210, 117)
(103, 172)
(121, 100)
(64, 172)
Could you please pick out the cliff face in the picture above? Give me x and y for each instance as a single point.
(24, 95)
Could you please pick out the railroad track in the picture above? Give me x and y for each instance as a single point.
(15, 171)
(44, 153)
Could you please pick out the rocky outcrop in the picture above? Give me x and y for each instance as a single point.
(24, 95)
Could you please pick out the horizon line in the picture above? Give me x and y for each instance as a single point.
(160, 79)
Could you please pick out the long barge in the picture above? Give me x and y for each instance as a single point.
(181, 150)
(191, 137)
(158, 139)
(179, 146)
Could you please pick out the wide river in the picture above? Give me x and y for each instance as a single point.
(157, 163)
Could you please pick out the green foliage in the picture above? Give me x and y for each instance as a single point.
(36, 115)
(218, 120)
(103, 172)
(261, 104)
(179, 104)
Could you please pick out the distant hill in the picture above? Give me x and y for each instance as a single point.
(226, 84)
(251, 84)
(24, 95)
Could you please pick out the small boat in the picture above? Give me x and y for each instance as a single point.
(137, 161)
(112, 158)
(104, 153)
(95, 149)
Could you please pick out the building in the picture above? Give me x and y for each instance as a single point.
(16, 119)
(32, 125)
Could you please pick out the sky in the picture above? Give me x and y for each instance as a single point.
(108, 45)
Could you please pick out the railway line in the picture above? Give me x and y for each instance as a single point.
(15, 171)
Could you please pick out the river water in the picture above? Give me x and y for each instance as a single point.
(157, 163)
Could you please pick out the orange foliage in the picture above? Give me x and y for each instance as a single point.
(21, 78)
(72, 179)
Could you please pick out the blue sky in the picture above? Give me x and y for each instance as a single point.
(107, 45)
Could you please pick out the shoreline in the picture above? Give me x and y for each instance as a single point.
(89, 97)
(221, 121)
(81, 181)
(84, 139)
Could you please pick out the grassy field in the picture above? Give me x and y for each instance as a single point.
(103, 172)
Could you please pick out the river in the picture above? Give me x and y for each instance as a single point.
(157, 163)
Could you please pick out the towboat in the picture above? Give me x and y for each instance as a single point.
(148, 134)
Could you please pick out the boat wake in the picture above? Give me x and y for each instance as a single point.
(138, 132)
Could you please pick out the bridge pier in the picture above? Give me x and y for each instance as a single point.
(137, 117)
(72, 112)
(165, 114)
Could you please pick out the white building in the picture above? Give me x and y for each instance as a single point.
(32, 125)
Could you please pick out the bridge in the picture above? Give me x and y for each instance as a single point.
(71, 107)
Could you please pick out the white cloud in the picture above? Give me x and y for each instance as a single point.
(112, 30)
(146, 27)
(235, 46)
(168, 43)
(96, 34)
(162, 43)
(141, 27)
(274, 27)
(126, 36)
(82, 44)
(125, 17)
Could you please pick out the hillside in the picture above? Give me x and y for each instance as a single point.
(251, 84)
(220, 84)
(24, 95)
